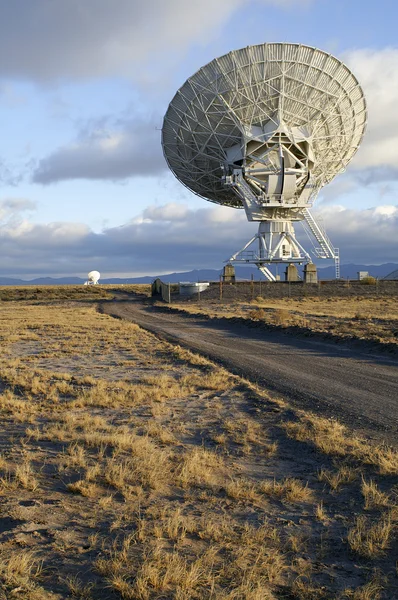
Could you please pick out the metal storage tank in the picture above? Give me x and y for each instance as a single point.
(188, 288)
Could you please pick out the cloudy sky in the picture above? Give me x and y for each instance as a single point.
(84, 85)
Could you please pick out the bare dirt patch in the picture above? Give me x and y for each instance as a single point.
(132, 468)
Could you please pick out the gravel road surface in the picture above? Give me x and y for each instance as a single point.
(358, 388)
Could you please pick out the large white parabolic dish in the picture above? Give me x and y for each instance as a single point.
(219, 105)
(93, 278)
(264, 128)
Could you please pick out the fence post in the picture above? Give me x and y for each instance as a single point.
(220, 288)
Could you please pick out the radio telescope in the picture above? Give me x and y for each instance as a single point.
(93, 278)
(264, 128)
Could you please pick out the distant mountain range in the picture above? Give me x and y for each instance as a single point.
(347, 272)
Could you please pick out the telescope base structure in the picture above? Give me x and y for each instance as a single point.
(274, 243)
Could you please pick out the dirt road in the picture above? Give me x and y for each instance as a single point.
(358, 388)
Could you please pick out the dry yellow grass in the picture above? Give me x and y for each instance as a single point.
(343, 475)
(20, 571)
(365, 318)
(290, 490)
(370, 591)
(332, 437)
(373, 497)
(133, 468)
(371, 538)
(320, 512)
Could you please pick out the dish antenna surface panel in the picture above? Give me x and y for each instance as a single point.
(265, 128)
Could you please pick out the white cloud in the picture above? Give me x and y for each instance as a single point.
(377, 73)
(177, 238)
(168, 212)
(30, 235)
(115, 150)
(50, 40)
(390, 212)
(13, 207)
(366, 236)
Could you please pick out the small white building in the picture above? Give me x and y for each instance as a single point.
(362, 275)
(188, 288)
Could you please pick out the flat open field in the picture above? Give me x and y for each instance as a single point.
(132, 468)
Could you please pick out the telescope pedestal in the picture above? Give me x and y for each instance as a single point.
(274, 243)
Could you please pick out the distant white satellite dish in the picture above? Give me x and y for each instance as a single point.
(93, 278)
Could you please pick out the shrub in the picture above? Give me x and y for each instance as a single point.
(258, 313)
(369, 281)
(281, 316)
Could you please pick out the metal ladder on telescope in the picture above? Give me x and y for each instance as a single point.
(326, 248)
